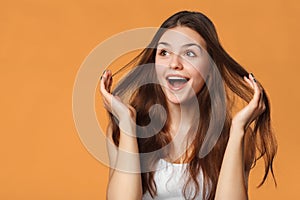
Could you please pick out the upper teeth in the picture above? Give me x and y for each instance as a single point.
(176, 78)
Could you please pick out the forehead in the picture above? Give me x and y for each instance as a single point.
(181, 35)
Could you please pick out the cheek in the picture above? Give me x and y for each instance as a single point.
(200, 64)
(205, 66)
(200, 70)
(161, 62)
(159, 71)
(160, 67)
(199, 74)
(198, 85)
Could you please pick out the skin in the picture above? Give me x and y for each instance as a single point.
(186, 57)
(175, 59)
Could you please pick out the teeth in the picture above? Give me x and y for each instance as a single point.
(176, 78)
(177, 81)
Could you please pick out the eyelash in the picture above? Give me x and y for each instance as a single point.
(188, 52)
(163, 52)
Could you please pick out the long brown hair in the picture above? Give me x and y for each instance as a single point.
(259, 139)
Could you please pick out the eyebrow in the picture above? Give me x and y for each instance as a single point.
(185, 45)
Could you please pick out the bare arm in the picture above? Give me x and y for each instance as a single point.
(125, 178)
(233, 180)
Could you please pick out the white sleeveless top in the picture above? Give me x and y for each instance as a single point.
(170, 180)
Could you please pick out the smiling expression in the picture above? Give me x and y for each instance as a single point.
(181, 63)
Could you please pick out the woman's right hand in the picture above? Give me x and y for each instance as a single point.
(113, 104)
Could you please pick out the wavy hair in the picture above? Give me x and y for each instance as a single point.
(259, 141)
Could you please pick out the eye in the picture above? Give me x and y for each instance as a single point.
(163, 52)
(190, 53)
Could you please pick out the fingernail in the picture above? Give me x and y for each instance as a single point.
(253, 77)
(103, 72)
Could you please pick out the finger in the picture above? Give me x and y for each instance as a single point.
(262, 104)
(248, 81)
(102, 82)
(257, 91)
(106, 79)
(258, 98)
(256, 82)
(109, 80)
(103, 87)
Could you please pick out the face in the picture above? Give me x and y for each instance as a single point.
(181, 64)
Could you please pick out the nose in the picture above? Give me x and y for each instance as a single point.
(175, 62)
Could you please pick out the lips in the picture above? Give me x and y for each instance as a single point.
(176, 82)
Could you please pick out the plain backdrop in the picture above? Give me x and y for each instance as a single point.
(43, 44)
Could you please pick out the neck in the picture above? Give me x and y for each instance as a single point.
(182, 117)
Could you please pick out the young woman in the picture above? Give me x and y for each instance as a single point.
(199, 148)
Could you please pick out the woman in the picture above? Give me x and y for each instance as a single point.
(197, 149)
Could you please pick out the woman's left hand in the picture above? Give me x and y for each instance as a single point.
(255, 107)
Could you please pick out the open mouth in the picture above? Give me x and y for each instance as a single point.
(177, 82)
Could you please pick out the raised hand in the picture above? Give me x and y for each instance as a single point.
(255, 107)
(113, 104)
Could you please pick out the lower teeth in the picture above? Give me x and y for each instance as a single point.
(177, 83)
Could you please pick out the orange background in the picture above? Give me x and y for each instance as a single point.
(43, 43)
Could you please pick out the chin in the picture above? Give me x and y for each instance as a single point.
(181, 100)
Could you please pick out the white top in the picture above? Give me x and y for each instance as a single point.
(170, 180)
